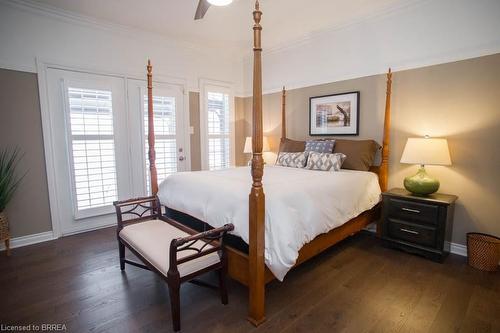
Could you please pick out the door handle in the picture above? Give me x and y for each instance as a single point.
(181, 158)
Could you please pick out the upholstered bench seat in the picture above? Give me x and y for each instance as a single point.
(151, 239)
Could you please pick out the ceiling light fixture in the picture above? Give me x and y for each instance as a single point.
(219, 2)
(203, 6)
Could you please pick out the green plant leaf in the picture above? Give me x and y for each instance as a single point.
(9, 181)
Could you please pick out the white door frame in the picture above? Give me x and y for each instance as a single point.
(42, 66)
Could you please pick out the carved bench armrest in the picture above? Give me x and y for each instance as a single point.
(210, 234)
(135, 201)
(213, 242)
(145, 208)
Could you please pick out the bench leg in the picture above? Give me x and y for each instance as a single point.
(175, 304)
(121, 251)
(222, 286)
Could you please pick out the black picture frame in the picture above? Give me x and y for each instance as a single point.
(352, 130)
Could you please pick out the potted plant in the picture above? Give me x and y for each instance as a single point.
(9, 182)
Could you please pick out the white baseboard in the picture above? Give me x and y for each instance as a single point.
(29, 240)
(458, 249)
(47, 236)
(79, 230)
(455, 248)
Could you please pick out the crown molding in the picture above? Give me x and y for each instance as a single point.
(238, 49)
(382, 13)
(441, 59)
(17, 67)
(52, 12)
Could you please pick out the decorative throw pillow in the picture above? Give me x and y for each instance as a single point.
(320, 146)
(292, 160)
(325, 161)
(292, 146)
(360, 153)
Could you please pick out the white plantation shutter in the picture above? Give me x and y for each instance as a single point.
(92, 148)
(165, 137)
(219, 134)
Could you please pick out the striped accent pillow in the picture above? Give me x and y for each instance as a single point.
(320, 146)
(292, 160)
(325, 161)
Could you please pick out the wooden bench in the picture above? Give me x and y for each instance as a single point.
(173, 251)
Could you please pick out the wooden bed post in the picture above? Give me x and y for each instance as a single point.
(384, 170)
(151, 133)
(283, 114)
(256, 274)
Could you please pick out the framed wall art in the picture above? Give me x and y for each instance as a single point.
(336, 114)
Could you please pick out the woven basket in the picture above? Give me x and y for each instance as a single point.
(4, 227)
(483, 251)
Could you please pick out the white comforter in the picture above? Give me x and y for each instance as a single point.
(300, 204)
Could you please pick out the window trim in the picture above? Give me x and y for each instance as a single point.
(207, 85)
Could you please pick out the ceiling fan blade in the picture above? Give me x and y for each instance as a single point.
(203, 6)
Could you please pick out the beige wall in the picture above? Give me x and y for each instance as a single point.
(459, 101)
(21, 126)
(194, 118)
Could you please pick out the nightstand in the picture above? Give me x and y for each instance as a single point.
(420, 225)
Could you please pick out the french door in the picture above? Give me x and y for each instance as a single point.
(98, 137)
(170, 132)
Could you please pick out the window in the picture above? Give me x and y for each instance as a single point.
(218, 131)
(218, 122)
(92, 148)
(165, 137)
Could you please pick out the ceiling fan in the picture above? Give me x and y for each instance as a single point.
(203, 6)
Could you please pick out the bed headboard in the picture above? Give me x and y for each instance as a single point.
(382, 169)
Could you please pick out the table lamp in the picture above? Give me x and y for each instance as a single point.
(424, 151)
(248, 146)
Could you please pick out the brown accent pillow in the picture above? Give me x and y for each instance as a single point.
(292, 146)
(360, 153)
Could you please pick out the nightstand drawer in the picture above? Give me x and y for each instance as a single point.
(413, 233)
(413, 211)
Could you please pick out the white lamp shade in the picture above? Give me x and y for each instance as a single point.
(248, 145)
(426, 151)
(220, 2)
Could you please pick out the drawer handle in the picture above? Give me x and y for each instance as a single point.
(409, 231)
(411, 210)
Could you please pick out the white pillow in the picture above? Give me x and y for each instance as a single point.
(325, 161)
(292, 160)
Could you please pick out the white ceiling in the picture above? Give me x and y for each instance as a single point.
(284, 21)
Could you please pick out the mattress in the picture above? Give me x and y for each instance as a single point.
(300, 204)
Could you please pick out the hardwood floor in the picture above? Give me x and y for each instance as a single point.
(356, 286)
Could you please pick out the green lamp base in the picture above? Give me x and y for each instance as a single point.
(421, 183)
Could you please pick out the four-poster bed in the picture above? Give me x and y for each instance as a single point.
(250, 268)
